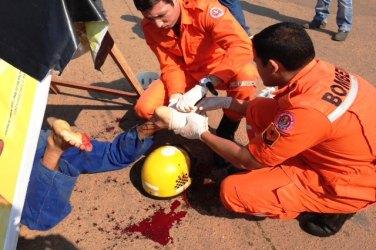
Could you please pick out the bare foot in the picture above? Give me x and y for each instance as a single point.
(63, 136)
(162, 116)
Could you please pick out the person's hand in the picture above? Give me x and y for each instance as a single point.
(196, 125)
(213, 103)
(173, 100)
(186, 102)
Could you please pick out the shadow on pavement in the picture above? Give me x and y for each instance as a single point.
(274, 14)
(136, 27)
(120, 84)
(267, 12)
(55, 241)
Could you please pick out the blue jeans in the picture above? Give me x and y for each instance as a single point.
(236, 10)
(49, 192)
(344, 13)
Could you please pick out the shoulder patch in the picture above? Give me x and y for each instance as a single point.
(216, 12)
(270, 135)
(285, 122)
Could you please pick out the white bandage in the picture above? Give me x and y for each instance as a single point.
(177, 119)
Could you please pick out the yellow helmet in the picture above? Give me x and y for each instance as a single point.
(165, 172)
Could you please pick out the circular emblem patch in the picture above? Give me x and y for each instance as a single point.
(216, 12)
(285, 121)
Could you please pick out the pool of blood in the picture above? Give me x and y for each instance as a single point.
(157, 227)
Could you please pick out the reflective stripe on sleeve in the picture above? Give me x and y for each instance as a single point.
(242, 84)
(344, 106)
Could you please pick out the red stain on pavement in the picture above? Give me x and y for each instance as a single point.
(157, 227)
(109, 129)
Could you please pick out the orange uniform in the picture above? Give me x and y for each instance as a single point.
(317, 139)
(211, 42)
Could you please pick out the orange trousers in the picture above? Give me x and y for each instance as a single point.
(238, 87)
(270, 192)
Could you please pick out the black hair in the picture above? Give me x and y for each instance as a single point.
(143, 5)
(285, 42)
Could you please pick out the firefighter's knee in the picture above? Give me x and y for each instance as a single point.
(144, 110)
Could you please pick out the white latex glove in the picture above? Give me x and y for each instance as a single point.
(186, 102)
(212, 103)
(174, 99)
(196, 125)
(267, 92)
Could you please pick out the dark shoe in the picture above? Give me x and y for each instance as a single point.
(323, 225)
(226, 129)
(314, 25)
(340, 36)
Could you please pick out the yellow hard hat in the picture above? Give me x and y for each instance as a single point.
(165, 172)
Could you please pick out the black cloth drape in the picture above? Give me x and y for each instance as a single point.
(39, 35)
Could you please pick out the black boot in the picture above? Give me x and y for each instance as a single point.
(323, 225)
(226, 129)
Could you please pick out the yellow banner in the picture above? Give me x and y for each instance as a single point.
(22, 104)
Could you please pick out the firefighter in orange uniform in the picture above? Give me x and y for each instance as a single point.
(199, 45)
(312, 147)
